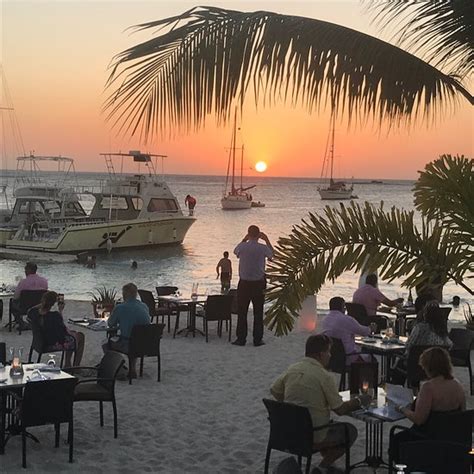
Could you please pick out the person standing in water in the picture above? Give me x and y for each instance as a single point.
(224, 270)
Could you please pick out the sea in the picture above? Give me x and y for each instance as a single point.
(287, 202)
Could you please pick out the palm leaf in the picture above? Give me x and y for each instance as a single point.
(441, 31)
(445, 191)
(207, 59)
(345, 239)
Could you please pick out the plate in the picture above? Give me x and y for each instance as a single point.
(369, 339)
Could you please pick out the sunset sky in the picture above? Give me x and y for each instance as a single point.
(55, 56)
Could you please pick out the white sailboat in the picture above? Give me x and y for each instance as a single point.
(335, 190)
(236, 197)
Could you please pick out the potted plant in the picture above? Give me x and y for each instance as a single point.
(469, 317)
(103, 297)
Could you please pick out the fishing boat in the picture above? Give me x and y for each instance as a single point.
(129, 210)
(236, 197)
(334, 190)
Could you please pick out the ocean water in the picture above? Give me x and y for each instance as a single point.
(287, 200)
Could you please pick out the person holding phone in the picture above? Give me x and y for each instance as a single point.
(252, 256)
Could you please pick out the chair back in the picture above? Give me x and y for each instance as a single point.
(3, 353)
(37, 342)
(218, 307)
(360, 372)
(47, 402)
(415, 374)
(145, 340)
(30, 298)
(435, 457)
(453, 426)
(358, 312)
(109, 368)
(166, 290)
(235, 305)
(148, 298)
(291, 428)
(463, 341)
(337, 362)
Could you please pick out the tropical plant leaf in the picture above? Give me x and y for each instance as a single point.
(207, 60)
(344, 239)
(441, 31)
(445, 191)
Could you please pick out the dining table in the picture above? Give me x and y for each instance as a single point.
(374, 424)
(9, 383)
(191, 303)
(383, 346)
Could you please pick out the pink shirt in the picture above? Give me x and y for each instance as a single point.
(340, 326)
(370, 297)
(31, 282)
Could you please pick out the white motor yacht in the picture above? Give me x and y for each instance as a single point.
(130, 211)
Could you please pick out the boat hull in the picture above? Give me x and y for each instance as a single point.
(5, 234)
(136, 233)
(335, 194)
(230, 203)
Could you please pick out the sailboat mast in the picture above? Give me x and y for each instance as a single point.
(331, 150)
(233, 150)
(242, 167)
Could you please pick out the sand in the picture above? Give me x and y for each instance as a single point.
(205, 416)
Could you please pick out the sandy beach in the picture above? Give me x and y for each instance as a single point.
(205, 416)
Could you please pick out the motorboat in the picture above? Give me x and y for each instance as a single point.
(334, 190)
(129, 210)
(236, 197)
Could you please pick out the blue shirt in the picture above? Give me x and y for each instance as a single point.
(128, 314)
(251, 255)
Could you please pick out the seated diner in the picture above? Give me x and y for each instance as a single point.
(440, 393)
(307, 383)
(371, 297)
(124, 316)
(55, 334)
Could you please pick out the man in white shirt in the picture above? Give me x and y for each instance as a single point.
(252, 283)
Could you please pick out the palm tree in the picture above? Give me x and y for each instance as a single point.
(344, 239)
(207, 59)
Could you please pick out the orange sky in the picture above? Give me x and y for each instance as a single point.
(55, 56)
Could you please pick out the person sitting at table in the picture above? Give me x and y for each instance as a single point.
(430, 332)
(124, 316)
(55, 334)
(371, 297)
(307, 383)
(32, 281)
(422, 303)
(440, 393)
(337, 324)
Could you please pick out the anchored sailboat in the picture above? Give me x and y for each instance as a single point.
(236, 197)
(336, 190)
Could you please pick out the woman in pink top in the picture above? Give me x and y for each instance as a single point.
(440, 393)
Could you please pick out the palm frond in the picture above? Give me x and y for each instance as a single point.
(207, 60)
(345, 239)
(441, 31)
(445, 191)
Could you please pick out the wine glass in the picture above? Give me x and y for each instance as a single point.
(11, 351)
(52, 360)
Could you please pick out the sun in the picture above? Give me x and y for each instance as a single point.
(260, 166)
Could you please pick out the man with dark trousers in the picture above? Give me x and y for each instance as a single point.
(252, 283)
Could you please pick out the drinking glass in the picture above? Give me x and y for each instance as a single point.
(11, 351)
(390, 329)
(52, 360)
